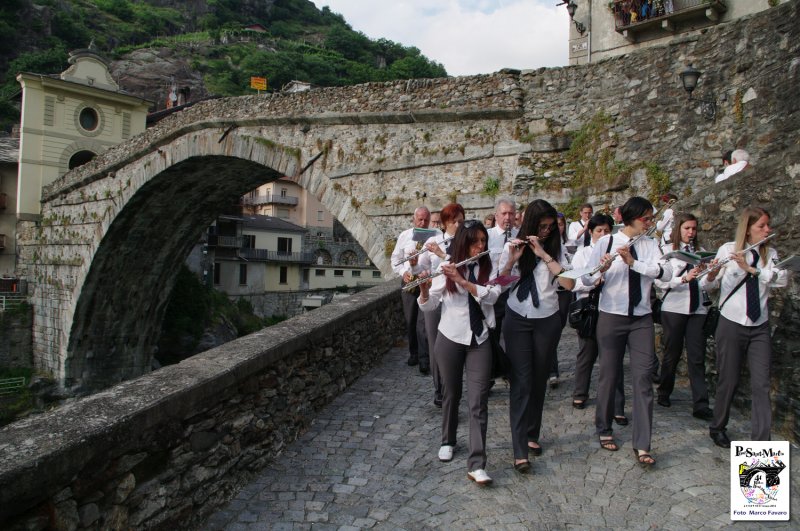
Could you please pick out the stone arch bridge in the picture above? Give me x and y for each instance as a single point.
(102, 259)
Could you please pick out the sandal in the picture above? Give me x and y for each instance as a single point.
(522, 467)
(622, 420)
(609, 444)
(579, 404)
(645, 460)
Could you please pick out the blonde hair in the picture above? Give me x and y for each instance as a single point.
(747, 219)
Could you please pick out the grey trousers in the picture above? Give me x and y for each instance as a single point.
(677, 329)
(614, 332)
(734, 342)
(587, 355)
(530, 347)
(431, 331)
(453, 358)
(415, 328)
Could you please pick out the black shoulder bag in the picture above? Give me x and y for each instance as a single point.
(583, 313)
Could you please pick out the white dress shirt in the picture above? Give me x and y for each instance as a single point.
(573, 230)
(579, 261)
(404, 247)
(614, 297)
(546, 285)
(430, 261)
(665, 226)
(678, 298)
(454, 324)
(497, 240)
(730, 170)
(730, 275)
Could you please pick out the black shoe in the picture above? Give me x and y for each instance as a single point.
(663, 401)
(621, 420)
(412, 361)
(424, 370)
(437, 401)
(535, 451)
(720, 439)
(703, 414)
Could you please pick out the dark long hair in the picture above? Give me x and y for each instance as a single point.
(680, 219)
(466, 235)
(534, 214)
(635, 207)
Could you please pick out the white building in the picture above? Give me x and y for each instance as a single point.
(602, 29)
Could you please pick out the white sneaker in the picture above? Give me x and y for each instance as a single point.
(446, 453)
(479, 476)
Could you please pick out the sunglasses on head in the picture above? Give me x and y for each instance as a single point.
(468, 224)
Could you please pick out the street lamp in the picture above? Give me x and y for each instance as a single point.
(689, 79)
(571, 8)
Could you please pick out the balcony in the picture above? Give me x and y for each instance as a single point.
(684, 11)
(263, 255)
(224, 241)
(270, 199)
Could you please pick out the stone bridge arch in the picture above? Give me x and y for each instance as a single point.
(113, 233)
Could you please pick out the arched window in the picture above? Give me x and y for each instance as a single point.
(322, 257)
(348, 258)
(80, 158)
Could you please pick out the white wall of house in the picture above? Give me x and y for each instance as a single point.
(329, 277)
(601, 39)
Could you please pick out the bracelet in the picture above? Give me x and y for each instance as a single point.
(549, 261)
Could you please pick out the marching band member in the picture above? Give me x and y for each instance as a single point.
(682, 318)
(464, 298)
(578, 230)
(743, 328)
(667, 221)
(625, 319)
(452, 216)
(532, 324)
(415, 325)
(599, 226)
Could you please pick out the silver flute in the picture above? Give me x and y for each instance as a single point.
(423, 250)
(419, 281)
(724, 261)
(632, 241)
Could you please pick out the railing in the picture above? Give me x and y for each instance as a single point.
(270, 198)
(224, 241)
(11, 301)
(10, 386)
(629, 13)
(276, 256)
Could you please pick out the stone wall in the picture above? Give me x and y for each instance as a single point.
(164, 450)
(15, 337)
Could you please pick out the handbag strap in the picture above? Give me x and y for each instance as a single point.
(739, 285)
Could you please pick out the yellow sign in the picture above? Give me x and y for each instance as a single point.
(258, 83)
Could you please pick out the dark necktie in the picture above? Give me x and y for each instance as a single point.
(694, 290)
(475, 313)
(527, 284)
(751, 290)
(587, 238)
(634, 286)
(506, 236)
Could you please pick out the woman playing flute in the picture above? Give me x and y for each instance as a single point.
(743, 328)
(532, 325)
(463, 341)
(626, 320)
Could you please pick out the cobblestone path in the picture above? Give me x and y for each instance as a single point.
(369, 462)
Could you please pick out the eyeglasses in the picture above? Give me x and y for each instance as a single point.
(647, 219)
(547, 227)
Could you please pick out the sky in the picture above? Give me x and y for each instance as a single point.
(466, 36)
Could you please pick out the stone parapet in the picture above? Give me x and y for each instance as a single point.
(165, 449)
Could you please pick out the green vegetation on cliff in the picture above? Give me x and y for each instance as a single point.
(300, 42)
